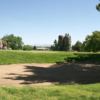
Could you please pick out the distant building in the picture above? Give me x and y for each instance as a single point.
(42, 48)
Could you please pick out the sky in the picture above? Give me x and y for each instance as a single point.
(39, 22)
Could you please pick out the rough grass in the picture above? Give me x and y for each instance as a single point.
(58, 92)
(14, 57)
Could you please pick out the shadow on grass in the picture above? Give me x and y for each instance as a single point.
(84, 57)
(61, 74)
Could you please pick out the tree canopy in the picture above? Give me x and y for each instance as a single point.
(63, 43)
(98, 6)
(27, 47)
(92, 42)
(77, 46)
(13, 42)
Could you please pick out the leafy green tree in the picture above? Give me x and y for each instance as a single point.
(27, 47)
(55, 45)
(63, 43)
(98, 6)
(67, 42)
(77, 46)
(92, 42)
(34, 48)
(60, 42)
(13, 42)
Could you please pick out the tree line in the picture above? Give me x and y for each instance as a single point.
(90, 44)
(63, 43)
(14, 43)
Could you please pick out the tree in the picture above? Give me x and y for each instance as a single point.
(98, 6)
(63, 43)
(13, 42)
(67, 42)
(34, 47)
(77, 46)
(60, 42)
(55, 45)
(27, 47)
(92, 42)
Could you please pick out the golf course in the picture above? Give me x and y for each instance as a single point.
(49, 75)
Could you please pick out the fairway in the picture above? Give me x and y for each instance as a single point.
(16, 57)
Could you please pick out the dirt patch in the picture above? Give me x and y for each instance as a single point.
(46, 74)
(8, 74)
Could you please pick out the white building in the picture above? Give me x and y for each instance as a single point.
(42, 48)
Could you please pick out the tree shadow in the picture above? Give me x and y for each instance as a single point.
(84, 57)
(61, 74)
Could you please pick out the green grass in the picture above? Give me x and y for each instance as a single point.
(13, 57)
(54, 92)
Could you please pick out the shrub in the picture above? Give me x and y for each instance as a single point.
(27, 47)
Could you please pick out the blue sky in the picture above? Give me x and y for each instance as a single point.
(39, 22)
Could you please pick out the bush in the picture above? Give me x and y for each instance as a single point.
(27, 47)
(84, 57)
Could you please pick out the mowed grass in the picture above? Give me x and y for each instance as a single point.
(54, 92)
(14, 57)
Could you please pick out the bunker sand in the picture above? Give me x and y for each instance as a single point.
(47, 74)
(8, 74)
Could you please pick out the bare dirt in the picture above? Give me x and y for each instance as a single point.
(47, 74)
